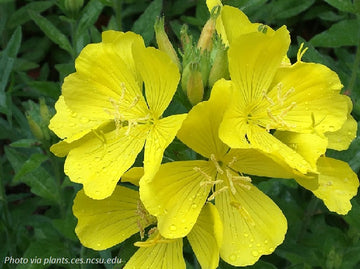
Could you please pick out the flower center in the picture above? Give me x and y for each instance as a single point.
(156, 239)
(123, 112)
(144, 219)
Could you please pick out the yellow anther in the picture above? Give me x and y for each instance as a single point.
(218, 167)
(233, 160)
(134, 102)
(198, 169)
(268, 98)
(212, 196)
(231, 183)
(211, 182)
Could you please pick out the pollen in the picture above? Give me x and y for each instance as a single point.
(157, 239)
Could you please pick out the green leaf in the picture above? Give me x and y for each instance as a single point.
(342, 5)
(287, 9)
(25, 143)
(39, 180)
(30, 165)
(66, 226)
(88, 17)
(43, 250)
(343, 33)
(53, 33)
(48, 88)
(145, 24)
(7, 62)
(21, 15)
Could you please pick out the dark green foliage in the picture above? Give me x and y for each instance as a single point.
(39, 43)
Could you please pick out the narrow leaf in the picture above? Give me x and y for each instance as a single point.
(53, 33)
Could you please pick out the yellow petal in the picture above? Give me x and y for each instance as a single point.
(253, 225)
(160, 255)
(236, 23)
(206, 237)
(70, 125)
(98, 163)
(253, 61)
(309, 146)
(341, 139)
(306, 98)
(161, 134)
(123, 43)
(105, 223)
(175, 195)
(103, 86)
(200, 129)
(337, 184)
(133, 175)
(257, 163)
(160, 75)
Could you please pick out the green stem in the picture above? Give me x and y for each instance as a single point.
(355, 66)
(309, 213)
(117, 6)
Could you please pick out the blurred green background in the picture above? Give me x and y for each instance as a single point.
(39, 43)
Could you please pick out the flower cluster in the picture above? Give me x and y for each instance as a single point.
(264, 117)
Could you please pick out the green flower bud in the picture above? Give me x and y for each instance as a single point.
(34, 127)
(73, 6)
(205, 42)
(195, 86)
(164, 43)
(219, 68)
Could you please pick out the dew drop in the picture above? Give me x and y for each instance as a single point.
(84, 120)
(250, 245)
(74, 114)
(172, 227)
(266, 242)
(232, 257)
(246, 235)
(194, 206)
(346, 179)
(255, 253)
(258, 245)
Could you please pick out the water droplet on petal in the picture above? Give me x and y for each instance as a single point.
(255, 253)
(271, 249)
(246, 235)
(266, 242)
(172, 227)
(232, 257)
(194, 206)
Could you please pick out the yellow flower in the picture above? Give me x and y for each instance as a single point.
(233, 23)
(103, 116)
(253, 224)
(122, 214)
(299, 98)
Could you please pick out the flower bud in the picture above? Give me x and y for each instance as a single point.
(205, 42)
(73, 6)
(44, 112)
(34, 127)
(195, 86)
(163, 41)
(219, 68)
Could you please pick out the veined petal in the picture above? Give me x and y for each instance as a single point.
(236, 23)
(253, 225)
(161, 134)
(206, 237)
(341, 139)
(306, 98)
(200, 129)
(253, 61)
(176, 195)
(158, 255)
(70, 125)
(98, 163)
(116, 218)
(123, 43)
(309, 146)
(161, 77)
(257, 163)
(337, 184)
(103, 86)
(133, 175)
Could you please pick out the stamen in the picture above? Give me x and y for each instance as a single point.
(134, 102)
(244, 213)
(198, 169)
(301, 52)
(213, 182)
(218, 167)
(100, 135)
(212, 196)
(144, 218)
(268, 98)
(233, 160)
(158, 239)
